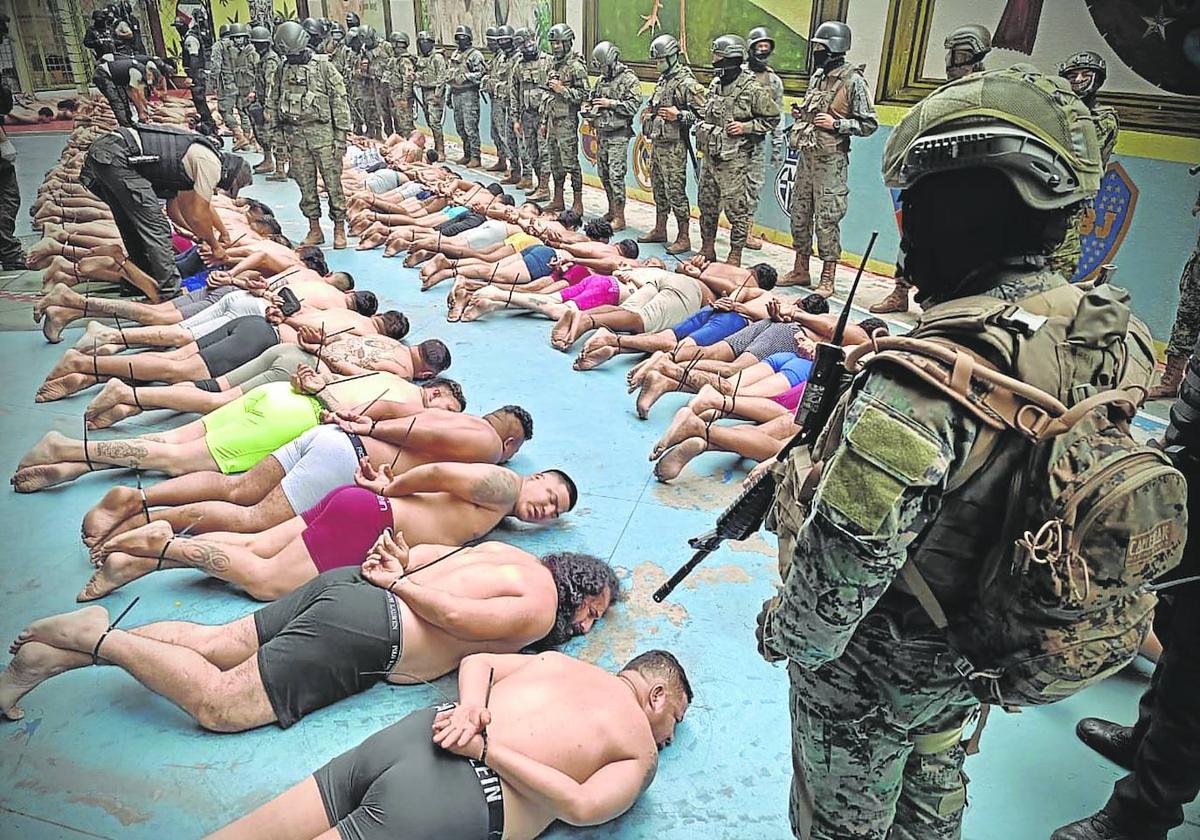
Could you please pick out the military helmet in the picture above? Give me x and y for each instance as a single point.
(759, 34)
(400, 39)
(461, 30)
(1086, 60)
(236, 30)
(563, 34)
(834, 36)
(337, 32)
(970, 36)
(729, 46)
(290, 37)
(664, 46)
(260, 35)
(605, 54)
(223, 32)
(125, 32)
(424, 43)
(491, 34)
(504, 32)
(352, 20)
(1016, 120)
(368, 36)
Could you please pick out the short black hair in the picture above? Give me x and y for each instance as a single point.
(495, 189)
(628, 248)
(598, 230)
(45, 112)
(567, 218)
(572, 489)
(872, 325)
(235, 174)
(522, 416)
(68, 105)
(434, 353)
(508, 200)
(765, 276)
(450, 385)
(270, 223)
(282, 240)
(255, 204)
(576, 577)
(343, 281)
(431, 156)
(664, 665)
(365, 303)
(814, 304)
(395, 324)
(314, 258)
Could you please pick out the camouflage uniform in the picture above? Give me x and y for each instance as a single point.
(267, 73)
(1186, 330)
(222, 70)
(466, 70)
(758, 161)
(401, 77)
(1065, 259)
(310, 107)
(431, 79)
(344, 59)
(512, 114)
(677, 88)
(614, 127)
(562, 119)
(372, 67)
(245, 70)
(496, 85)
(727, 159)
(529, 92)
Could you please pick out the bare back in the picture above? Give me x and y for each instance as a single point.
(442, 518)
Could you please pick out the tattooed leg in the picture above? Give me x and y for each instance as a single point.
(136, 453)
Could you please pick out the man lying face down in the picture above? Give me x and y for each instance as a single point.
(404, 616)
(533, 739)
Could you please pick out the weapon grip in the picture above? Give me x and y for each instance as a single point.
(667, 588)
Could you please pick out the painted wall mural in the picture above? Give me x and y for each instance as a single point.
(442, 17)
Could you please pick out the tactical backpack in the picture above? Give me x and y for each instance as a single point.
(1092, 517)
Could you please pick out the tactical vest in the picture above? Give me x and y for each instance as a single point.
(723, 106)
(305, 92)
(118, 70)
(827, 93)
(1107, 128)
(531, 77)
(244, 62)
(459, 64)
(431, 71)
(166, 174)
(268, 71)
(668, 94)
(402, 75)
(606, 120)
(568, 70)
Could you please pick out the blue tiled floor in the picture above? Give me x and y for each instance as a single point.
(98, 756)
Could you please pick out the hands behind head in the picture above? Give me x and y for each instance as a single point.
(460, 730)
(387, 560)
(369, 478)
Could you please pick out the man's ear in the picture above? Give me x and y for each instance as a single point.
(657, 697)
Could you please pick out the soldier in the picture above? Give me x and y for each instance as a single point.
(222, 73)
(966, 48)
(401, 77)
(431, 79)
(1086, 71)
(1186, 329)
(738, 115)
(378, 51)
(495, 86)
(529, 93)
(245, 73)
(567, 86)
(98, 37)
(466, 69)
(666, 123)
(12, 257)
(879, 698)
(504, 100)
(615, 100)
(195, 64)
(761, 46)
(267, 73)
(309, 106)
(836, 107)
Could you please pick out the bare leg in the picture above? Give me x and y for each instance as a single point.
(296, 814)
(135, 453)
(117, 400)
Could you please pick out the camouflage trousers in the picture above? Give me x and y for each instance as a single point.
(466, 119)
(876, 740)
(376, 107)
(435, 113)
(513, 143)
(356, 109)
(402, 112)
(668, 178)
(1186, 329)
(534, 158)
(562, 148)
(243, 107)
(227, 99)
(612, 163)
(723, 187)
(310, 155)
(756, 177)
(499, 127)
(819, 199)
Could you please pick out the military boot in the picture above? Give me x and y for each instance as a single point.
(828, 272)
(659, 233)
(1111, 740)
(735, 256)
(708, 249)
(315, 236)
(558, 203)
(1168, 386)
(240, 142)
(475, 163)
(754, 242)
(896, 301)
(618, 217)
(462, 161)
(526, 183)
(267, 165)
(1099, 826)
(799, 275)
(500, 165)
(683, 239)
(577, 204)
(512, 179)
(280, 174)
(542, 193)
(339, 235)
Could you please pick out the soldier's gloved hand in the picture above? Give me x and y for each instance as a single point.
(760, 630)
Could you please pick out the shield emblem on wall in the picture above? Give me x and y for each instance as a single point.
(641, 162)
(588, 143)
(784, 181)
(1103, 225)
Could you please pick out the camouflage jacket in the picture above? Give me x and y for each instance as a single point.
(431, 71)
(842, 93)
(572, 72)
(626, 90)
(402, 74)
(529, 84)
(466, 69)
(310, 99)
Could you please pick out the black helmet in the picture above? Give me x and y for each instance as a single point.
(490, 35)
(400, 39)
(834, 36)
(239, 30)
(99, 18)
(561, 38)
(1085, 60)
(424, 42)
(760, 45)
(337, 32)
(728, 46)
(260, 36)
(313, 27)
(352, 20)
(290, 38)
(526, 43)
(606, 55)
(757, 35)
(504, 33)
(663, 47)
(463, 36)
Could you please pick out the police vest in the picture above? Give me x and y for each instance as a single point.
(161, 161)
(118, 69)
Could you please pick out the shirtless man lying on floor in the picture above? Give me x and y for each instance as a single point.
(442, 504)
(238, 435)
(524, 226)
(533, 260)
(532, 739)
(336, 636)
(297, 476)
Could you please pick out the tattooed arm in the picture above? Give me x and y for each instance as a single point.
(481, 484)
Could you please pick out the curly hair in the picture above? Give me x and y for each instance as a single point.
(450, 385)
(522, 417)
(577, 577)
(814, 304)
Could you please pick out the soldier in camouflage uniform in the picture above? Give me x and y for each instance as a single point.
(878, 696)
(966, 48)
(371, 66)
(666, 123)
(836, 107)
(401, 77)
(529, 93)
(761, 45)
(267, 71)
(614, 103)
(243, 63)
(507, 40)
(738, 115)
(567, 88)
(1186, 329)
(431, 79)
(1086, 71)
(341, 54)
(495, 85)
(466, 69)
(222, 71)
(309, 106)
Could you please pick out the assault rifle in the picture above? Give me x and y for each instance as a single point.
(742, 519)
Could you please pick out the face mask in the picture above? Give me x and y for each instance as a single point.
(727, 69)
(303, 57)
(664, 65)
(425, 48)
(610, 72)
(463, 42)
(759, 58)
(820, 57)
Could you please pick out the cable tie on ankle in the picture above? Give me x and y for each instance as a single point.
(111, 627)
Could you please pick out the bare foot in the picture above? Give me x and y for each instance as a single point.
(597, 356)
(46, 451)
(77, 630)
(112, 417)
(369, 242)
(638, 372)
(33, 664)
(117, 570)
(146, 541)
(439, 262)
(95, 334)
(460, 296)
(416, 258)
(677, 457)
(57, 317)
(57, 296)
(113, 394)
(118, 504)
(65, 386)
(684, 424)
(653, 386)
(479, 306)
(431, 281)
(64, 365)
(604, 337)
(562, 328)
(33, 479)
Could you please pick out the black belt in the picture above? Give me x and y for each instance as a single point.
(394, 629)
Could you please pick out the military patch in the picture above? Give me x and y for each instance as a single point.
(893, 444)
(1162, 537)
(859, 490)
